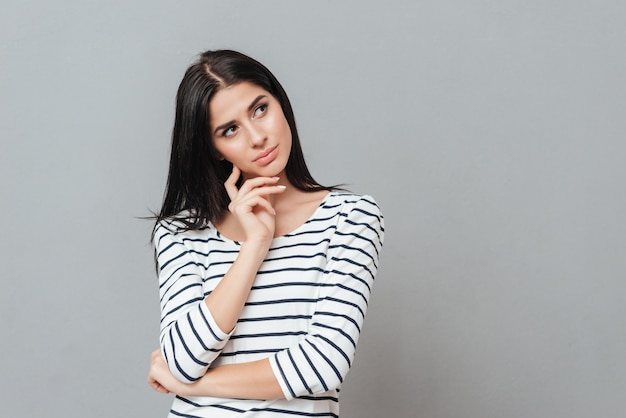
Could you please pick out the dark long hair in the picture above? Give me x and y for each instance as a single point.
(196, 176)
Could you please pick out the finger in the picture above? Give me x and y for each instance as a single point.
(234, 175)
(257, 182)
(156, 385)
(249, 204)
(231, 182)
(162, 389)
(263, 191)
(261, 202)
(258, 197)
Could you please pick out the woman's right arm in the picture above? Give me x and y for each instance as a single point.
(194, 328)
(190, 337)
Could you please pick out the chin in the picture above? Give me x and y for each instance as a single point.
(263, 173)
(274, 169)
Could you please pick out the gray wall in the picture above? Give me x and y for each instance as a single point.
(491, 133)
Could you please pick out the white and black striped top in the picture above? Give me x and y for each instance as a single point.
(305, 310)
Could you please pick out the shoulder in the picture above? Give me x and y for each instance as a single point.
(176, 228)
(360, 227)
(359, 215)
(354, 205)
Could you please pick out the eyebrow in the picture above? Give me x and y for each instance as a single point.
(254, 103)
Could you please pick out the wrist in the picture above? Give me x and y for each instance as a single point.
(190, 389)
(202, 387)
(257, 247)
(260, 238)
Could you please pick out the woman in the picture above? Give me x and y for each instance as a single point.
(264, 274)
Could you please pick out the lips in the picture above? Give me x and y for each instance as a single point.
(267, 156)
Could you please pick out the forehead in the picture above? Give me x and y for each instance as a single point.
(230, 102)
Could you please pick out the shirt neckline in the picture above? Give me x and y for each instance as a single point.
(294, 231)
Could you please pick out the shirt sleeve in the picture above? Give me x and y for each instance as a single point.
(322, 359)
(190, 337)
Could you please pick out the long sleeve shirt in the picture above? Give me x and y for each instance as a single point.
(304, 313)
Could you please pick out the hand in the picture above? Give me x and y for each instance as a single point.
(161, 379)
(251, 205)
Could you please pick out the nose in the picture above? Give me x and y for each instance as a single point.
(256, 136)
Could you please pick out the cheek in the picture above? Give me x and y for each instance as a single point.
(232, 152)
(288, 135)
(284, 127)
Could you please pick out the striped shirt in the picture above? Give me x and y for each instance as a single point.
(304, 312)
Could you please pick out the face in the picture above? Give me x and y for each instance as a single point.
(249, 129)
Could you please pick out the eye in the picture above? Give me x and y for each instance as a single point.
(260, 110)
(230, 131)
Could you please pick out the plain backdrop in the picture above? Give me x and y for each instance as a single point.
(490, 132)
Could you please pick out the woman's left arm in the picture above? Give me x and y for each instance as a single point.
(320, 361)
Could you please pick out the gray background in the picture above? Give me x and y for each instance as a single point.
(490, 132)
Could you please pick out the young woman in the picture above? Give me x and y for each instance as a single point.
(264, 274)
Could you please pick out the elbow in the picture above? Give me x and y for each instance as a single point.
(184, 367)
(333, 378)
(188, 348)
(310, 369)
(331, 363)
(327, 377)
(191, 342)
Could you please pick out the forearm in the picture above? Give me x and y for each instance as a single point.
(194, 337)
(228, 298)
(252, 380)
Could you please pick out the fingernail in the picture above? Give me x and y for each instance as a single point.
(280, 186)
